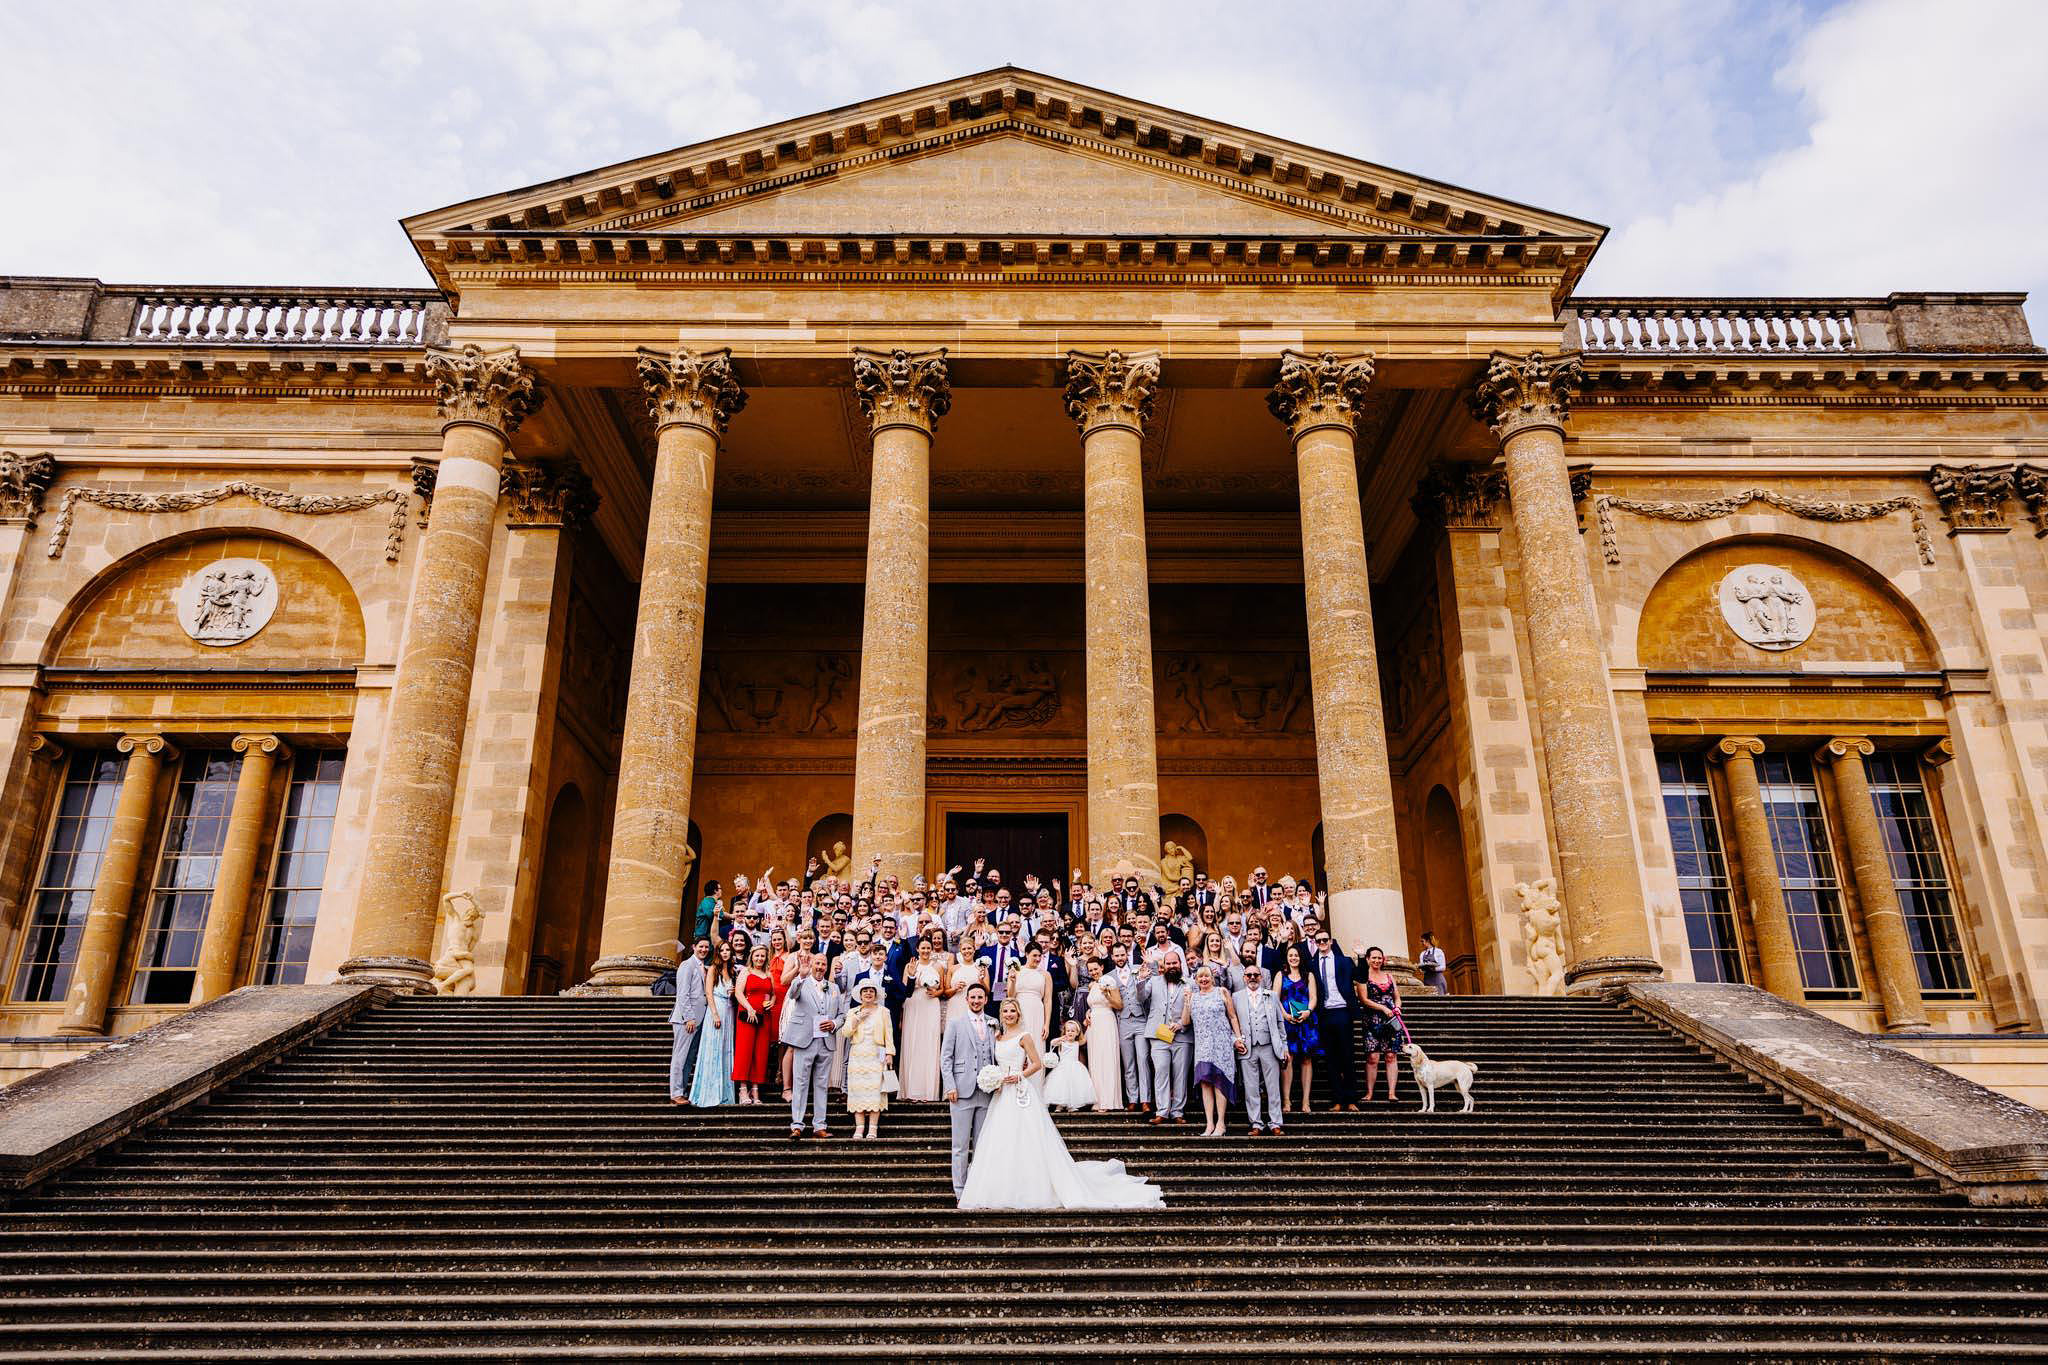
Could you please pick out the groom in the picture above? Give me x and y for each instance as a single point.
(969, 1045)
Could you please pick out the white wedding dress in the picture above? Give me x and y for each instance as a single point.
(1021, 1162)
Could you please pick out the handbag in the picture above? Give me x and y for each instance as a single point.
(890, 1084)
(1165, 1033)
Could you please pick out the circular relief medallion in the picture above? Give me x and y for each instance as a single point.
(227, 601)
(1767, 606)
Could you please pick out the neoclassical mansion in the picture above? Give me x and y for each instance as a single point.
(1007, 468)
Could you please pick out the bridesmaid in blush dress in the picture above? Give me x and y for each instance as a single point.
(1105, 1063)
(918, 1070)
(967, 971)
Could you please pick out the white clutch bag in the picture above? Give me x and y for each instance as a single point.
(889, 1082)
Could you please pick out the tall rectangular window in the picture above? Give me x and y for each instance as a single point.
(1806, 868)
(1913, 848)
(302, 842)
(168, 958)
(1703, 889)
(63, 891)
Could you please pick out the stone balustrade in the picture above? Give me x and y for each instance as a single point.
(286, 317)
(1717, 326)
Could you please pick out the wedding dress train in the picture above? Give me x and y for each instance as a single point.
(1021, 1162)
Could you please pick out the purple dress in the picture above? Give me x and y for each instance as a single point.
(1215, 1048)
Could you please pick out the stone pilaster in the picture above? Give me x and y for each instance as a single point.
(235, 874)
(1884, 919)
(483, 397)
(1318, 397)
(904, 394)
(1109, 396)
(106, 918)
(694, 396)
(1769, 925)
(1526, 399)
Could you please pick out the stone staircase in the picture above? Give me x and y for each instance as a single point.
(488, 1179)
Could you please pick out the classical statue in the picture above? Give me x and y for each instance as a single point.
(455, 969)
(838, 862)
(1542, 934)
(1184, 685)
(689, 861)
(1175, 862)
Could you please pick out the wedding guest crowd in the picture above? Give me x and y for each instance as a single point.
(1143, 998)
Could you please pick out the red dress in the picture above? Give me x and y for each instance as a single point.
(781, 990)
(752, 1041)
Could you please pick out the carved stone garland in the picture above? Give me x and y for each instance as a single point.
(1812, 509)
(299, 504)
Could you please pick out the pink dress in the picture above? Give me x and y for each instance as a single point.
(1105, 1066)
(923, 1027)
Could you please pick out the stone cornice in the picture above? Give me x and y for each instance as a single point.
(1847, 381)
(119, 369)
(1111, 388)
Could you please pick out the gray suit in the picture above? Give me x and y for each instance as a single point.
(1171, 1062)
(968, 1046)
(690, 1005)
(1265, 1033)
(1132, 1041)
(811, 1055)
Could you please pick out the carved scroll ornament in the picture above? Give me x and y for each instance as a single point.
(1712, 509)
(300, 504)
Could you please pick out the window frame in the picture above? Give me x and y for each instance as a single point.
(1736, 950)
(259, 957)
(1843, 955)
(50, 814)
(141, 923)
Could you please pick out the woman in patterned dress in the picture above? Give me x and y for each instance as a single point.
(870, 1050)
(1298, 990)
(1209, 1010)
(1385, 1032)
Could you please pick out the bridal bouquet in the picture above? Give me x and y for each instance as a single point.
(989, 1079)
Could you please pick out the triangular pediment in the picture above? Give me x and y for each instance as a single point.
(1007, 151)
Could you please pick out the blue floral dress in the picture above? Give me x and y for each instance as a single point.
(1302, 1038)
(713, 1082)
(1215, 1045)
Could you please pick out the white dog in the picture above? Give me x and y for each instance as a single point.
(1429, 1075)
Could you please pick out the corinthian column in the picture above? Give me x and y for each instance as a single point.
(1109, 396)
(904, 394)
(1318, 397)
(1526, 400)
(1884, 919)
(113, 891)
(694, 396)
(236, 872)
(484, 397)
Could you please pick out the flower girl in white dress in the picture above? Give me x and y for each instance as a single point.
(1020, 1161)
(1070, 1086)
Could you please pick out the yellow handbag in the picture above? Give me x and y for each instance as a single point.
(1165, 1033)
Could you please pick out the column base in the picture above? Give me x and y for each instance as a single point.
(1601, 975)
(78, 1031)
(1910, 1026)
(408, 974)
(618, 975)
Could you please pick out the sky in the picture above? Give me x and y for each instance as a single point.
(1733, 146)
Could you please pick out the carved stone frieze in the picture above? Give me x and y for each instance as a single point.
(23, 481)
(1216, 693)
(227, 602)
(484, 388)
(1605, 505)
(2030, 483)
(1325, 389)
(546, 494)
(1533, 390)
(1000, 693)
(1767, 606)
(790, 693)
(1973, 497)
(902, 387)
(1111, 388)
(691, 388)
(299, 504)
(1458, 495)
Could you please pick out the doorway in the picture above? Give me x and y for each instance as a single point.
(1016, 842)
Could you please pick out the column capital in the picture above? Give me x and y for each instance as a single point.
(268, 745)
(1972, 496)
(1111, 388)
(902, 388)
(156, 746)
(45, 747)
(691, 388)
(1321, 390)
(1940, 752)
(23, 481)
(1458, 495)
(546, 494)
(1518, 393)
(1737, 744)
(1841, 746)
(482, 388)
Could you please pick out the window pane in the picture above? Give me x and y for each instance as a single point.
(194, 831)
(63, 891)
(1913, 848)
(301, 867)
(1703, 886)
(1806, 868)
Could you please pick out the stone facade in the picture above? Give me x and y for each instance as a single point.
(886, 505)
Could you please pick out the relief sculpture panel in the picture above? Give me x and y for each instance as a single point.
(1237, 693)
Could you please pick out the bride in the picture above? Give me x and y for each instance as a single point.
(1020, 1162)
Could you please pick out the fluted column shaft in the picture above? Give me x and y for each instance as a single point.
(1526, 400)
(693, 396)
(1769, 925)
(1319, 397)
(235, 874)
(904, 394)
(1884, 919)
(1110, 398)
(484, 397)
(113, 892)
